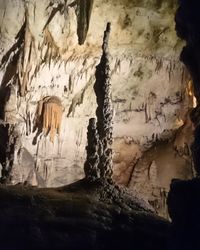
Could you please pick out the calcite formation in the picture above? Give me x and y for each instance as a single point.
(51, 48)
(92, 172)
(48, 116)
(100, 138)
(104, 110)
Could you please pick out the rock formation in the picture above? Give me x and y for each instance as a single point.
(76, 216)
(100, 137)
(48, 116)
(104, 110)
(91, 166)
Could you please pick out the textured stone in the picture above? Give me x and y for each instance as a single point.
(92, 172)
(104, 111)
(80, 216)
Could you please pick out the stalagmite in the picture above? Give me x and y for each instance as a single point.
(104, 115)
(104, 110)
(92, 161)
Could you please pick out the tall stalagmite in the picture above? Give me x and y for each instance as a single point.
(104, 113)
(92, 171)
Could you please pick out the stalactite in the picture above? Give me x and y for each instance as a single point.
(25, 64)
(76, 101)
(83, 12)
(51, 49)
(49, 116)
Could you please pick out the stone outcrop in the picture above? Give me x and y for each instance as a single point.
(77, 217)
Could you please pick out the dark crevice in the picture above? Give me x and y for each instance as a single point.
(9, 140)
(184, 196)
(187, 27)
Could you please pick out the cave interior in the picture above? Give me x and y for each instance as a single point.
(99, 124)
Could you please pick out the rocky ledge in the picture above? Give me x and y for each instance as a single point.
(82, 215)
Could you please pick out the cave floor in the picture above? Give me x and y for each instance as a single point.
(78, 216)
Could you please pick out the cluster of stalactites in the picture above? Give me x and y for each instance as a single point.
(103, 128)
(49, 116)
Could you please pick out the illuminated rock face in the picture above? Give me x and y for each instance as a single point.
(48, 117)
(41, 56)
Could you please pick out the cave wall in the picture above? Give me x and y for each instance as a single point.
(43, 55)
